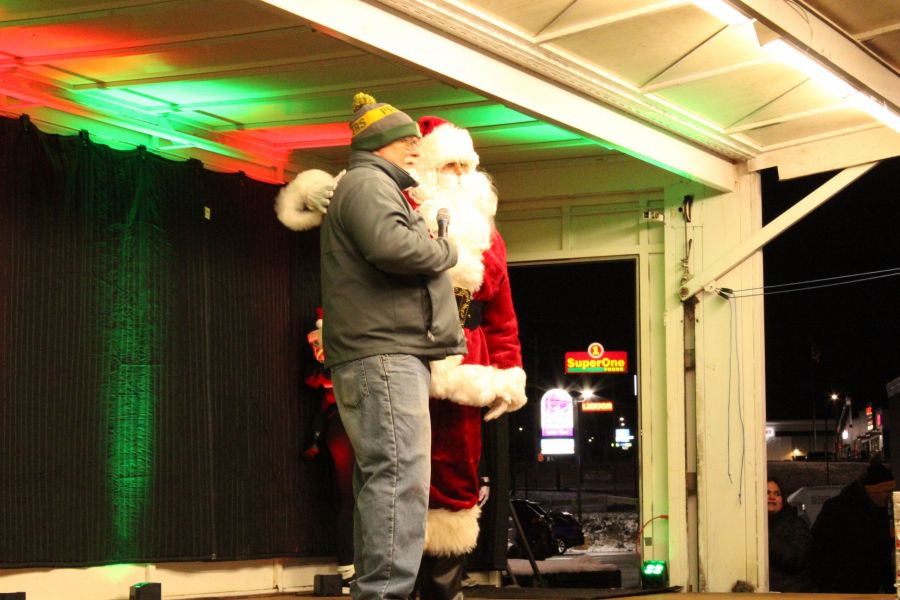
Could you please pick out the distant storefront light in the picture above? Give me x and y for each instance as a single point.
(557, 446)
(597, 406)
(624, 438)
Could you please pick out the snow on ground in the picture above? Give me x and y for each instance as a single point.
(610, 531)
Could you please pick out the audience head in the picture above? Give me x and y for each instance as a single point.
(774, 496)
(878, 482)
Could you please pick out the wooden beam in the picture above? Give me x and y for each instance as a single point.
(775, 228)
(387, 32)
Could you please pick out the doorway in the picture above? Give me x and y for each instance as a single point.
(564, 308)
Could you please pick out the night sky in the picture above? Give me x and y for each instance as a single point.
(564, 308)
(843, 339)
(853, 330)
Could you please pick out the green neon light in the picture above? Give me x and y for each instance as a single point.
(143, 119)
(198, 91)
(122, 97)
(536, 132)
(132, 343)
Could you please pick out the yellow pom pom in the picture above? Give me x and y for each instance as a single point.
(360, 100)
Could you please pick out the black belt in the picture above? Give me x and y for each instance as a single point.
(469, 309)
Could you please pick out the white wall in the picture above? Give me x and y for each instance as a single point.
(590, 210)
(730, 397)
(593, 209)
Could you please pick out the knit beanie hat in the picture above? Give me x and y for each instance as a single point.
(376, 124)
(878, 477)
(443, 143)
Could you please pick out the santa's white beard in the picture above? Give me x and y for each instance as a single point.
(471, 201)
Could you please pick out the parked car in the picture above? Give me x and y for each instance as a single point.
(567, 531)
(548, 533)
(538, 529)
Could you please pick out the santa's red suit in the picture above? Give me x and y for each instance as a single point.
(490, 374)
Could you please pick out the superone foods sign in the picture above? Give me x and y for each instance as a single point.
(597, 360)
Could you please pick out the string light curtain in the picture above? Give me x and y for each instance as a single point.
(151, 397)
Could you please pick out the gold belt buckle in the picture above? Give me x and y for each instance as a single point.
(463, 302)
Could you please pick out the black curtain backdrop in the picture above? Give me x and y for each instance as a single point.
(152, 353)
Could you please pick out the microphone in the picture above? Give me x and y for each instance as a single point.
(443, 222)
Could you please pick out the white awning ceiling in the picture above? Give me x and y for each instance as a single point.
(661, 80)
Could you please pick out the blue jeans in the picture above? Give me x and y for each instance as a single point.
(383, 403)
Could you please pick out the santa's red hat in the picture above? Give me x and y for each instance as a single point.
(442, 143)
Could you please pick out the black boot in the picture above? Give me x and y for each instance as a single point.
(440, 577)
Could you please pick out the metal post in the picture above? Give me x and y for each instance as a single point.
(578, 459)
(537, 579)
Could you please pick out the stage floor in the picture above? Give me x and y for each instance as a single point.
(511, 593)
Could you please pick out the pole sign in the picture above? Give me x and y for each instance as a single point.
(557, 423)
(597, 360)
(557, 414)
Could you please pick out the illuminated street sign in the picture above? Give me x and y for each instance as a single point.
(557, 414)
(557, 446)
(557, 423)
(597, 406)
(597, 360)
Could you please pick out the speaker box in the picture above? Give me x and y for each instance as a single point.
(146, 591)
(327, 585)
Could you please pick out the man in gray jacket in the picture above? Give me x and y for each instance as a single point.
(389, 308)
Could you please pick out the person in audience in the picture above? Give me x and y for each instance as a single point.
(790, 544)
(853, 536)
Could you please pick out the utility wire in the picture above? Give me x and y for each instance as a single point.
(734, 356)
(833, 281)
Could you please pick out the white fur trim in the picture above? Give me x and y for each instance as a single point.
(469, 385)
(291, 203)
(510, 383)
(477, 385)
(446, 143)
(468, 272)
(451, 532)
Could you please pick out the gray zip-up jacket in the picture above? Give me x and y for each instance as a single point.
(385, 286)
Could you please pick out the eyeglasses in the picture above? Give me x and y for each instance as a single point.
(411, 142)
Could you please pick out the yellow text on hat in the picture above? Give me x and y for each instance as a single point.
(373, 116)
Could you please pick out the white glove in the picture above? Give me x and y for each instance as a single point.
(498, 407)
(319, 196)
(292, 203)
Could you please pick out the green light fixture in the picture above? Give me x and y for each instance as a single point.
(654, 575)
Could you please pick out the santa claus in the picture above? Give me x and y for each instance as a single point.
(490, 375)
